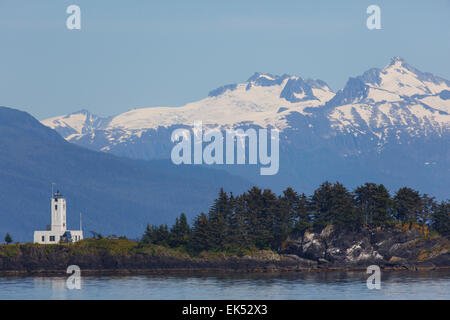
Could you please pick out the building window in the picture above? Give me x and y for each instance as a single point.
(43, 238)
(52, 238)
(56, 207)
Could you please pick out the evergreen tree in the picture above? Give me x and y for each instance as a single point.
(253, 204)
(373, 204)
(284, 217)
(427, 209)
(440, 220)
(260, 219)
(303, 219)
(321, 205)
(333, 203)
(8, 238)
(408, 204)
(343, 208)
(293, 215)
(219, 214)
(179, 232)
(237, 237)
(261, 208)
(201, 239)
(185, 229)
(147, 237)
(156, 235)
(272, 223)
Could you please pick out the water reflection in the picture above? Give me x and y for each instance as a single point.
(301, 285)
(56, 284)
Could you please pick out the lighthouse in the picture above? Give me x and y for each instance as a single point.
(57, 231)
(58, 213)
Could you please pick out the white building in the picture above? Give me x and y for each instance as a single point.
(57, 231)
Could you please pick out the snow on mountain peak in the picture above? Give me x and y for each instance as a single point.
(397, 95)
(75, 124)
(392, 83)
(266, 78)
(264, 100)
(397, 60)
(403, 79)
(292, 88)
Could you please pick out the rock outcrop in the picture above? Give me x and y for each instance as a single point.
(391, 247)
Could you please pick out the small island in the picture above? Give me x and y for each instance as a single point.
(258, 231)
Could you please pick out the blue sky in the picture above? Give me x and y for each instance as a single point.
(149, 53)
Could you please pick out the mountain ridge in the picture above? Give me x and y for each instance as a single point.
(293, 89)
(378, 117)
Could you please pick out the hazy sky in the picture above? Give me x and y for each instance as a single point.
(149, 53)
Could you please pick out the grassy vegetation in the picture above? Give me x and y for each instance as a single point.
(115, 247)
(9, 250)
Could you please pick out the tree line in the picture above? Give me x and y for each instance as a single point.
(259, 219)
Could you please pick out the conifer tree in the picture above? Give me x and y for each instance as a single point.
(269, 217)
(427, 209)
(260, 219)
(407, 204)
(156, 235)
(148, 236)
(293, 215)
(261, 208)
(219, 215)
(302, 216)
(373, 204)
(253, 204)
(333, 204)
(8, 238)
(200, 239)
(236, 237)
(179, 232)
(440, 220)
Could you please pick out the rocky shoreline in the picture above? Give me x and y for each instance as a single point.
(394, 248)
(330, 250)
(215, 271)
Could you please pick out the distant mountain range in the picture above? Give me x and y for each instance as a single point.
(387, 125)
(116, 195)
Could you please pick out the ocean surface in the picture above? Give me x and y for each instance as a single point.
(326, 285)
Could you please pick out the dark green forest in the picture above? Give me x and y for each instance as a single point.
(259, 219)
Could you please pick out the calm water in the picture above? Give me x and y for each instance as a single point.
(330, 285)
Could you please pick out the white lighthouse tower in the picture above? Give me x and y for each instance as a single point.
(57, 231)
(58, 213)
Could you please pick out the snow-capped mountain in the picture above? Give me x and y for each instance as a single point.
(76, 124)
(263, 100)
(396, 97)
(379, 119)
